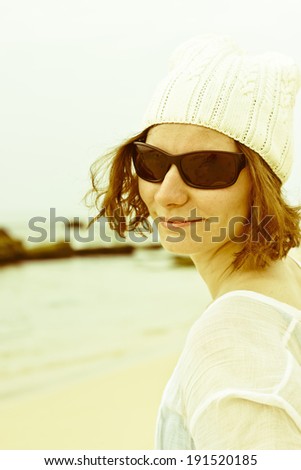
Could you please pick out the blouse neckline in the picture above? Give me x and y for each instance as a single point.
(257, 296)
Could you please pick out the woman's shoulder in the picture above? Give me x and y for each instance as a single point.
(243, 324)
(241, 340)
(251, 306)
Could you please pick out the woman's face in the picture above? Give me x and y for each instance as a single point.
(218, 214)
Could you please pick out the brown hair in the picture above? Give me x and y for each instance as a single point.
(120, 202)
(283, 226)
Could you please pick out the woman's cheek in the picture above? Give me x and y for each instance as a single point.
(146, 191)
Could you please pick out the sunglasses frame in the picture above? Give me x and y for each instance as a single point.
(239, 159)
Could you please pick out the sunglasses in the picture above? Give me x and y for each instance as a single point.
(204, 169)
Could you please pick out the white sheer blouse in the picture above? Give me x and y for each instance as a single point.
(237, 384)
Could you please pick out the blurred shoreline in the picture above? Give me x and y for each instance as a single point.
(65, 319)
(16, 246)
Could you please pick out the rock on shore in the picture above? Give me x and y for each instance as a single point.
(13, 250)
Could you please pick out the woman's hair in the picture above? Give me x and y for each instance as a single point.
(272, 230)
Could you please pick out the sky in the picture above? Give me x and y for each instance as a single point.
(77, 75)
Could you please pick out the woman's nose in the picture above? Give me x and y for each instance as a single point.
(172, 190)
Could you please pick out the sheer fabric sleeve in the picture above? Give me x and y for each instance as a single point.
(241, 379)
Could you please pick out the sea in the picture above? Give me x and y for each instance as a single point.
(64, 320)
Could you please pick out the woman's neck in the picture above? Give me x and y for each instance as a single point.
(281, 280)
(215, 267)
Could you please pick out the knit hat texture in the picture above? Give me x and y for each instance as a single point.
(248, 97)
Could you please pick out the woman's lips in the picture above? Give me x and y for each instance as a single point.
(181, 222)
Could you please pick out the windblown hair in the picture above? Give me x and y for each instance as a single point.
(120, 202)
(283, 227)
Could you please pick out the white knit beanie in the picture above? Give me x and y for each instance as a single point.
(248, 97)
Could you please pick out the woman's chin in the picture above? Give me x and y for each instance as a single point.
(179, 247)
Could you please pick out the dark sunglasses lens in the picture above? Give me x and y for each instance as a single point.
(212, 170)
(150, 164)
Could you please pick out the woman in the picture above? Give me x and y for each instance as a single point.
(208, 167)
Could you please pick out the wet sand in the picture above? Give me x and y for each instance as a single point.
(116, 411)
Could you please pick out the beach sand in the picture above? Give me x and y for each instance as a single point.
(116, 411)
